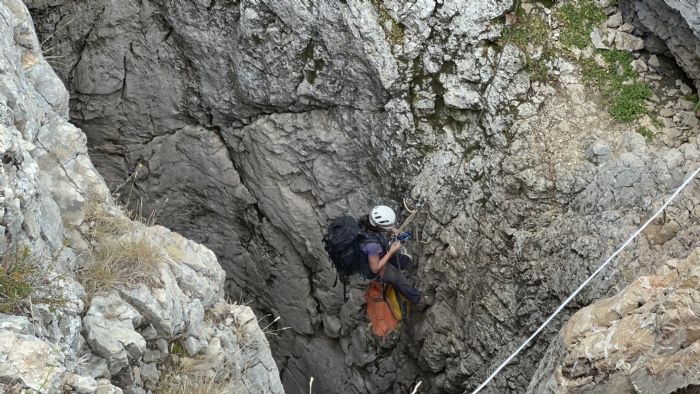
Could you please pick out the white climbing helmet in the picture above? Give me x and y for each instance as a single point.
(382, 216)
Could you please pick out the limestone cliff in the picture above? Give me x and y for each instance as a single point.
(247, 124)
(91, 301)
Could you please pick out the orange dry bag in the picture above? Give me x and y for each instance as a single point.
(380, 316)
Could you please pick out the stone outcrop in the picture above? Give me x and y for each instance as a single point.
(247, 124)
(120, 339)
(643, 338)
(27, 360)
(676, 24)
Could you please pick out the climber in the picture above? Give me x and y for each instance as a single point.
(361, 247)
(387, 264)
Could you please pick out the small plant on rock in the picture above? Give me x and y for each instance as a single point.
(23, 280)
(578, 19)
(629, 102)
(16, 284)
(530, 28)
(394, 30)
(693, 98)
(530, 32)
(645, 132)
(613, 74)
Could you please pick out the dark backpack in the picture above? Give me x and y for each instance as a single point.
(343, 241)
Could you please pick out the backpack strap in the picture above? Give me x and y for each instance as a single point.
(343, 279)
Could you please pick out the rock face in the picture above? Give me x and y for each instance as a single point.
(675, 23)
(29, 361)
(124, 337)
(247, 124)
(646, 337)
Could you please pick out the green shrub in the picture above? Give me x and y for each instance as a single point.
(529, 29)
(629, 102)
(16, 273)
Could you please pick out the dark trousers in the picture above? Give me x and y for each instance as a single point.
(393, 275)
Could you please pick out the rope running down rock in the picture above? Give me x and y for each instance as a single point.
(578, 290)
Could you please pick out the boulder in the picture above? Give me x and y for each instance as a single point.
(614, 21)
(628, 42)
(110, 332)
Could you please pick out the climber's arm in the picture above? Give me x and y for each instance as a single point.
(376, 264)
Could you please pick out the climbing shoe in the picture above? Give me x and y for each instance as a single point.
(425, 301)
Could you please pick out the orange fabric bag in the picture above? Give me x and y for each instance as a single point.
(380, 316)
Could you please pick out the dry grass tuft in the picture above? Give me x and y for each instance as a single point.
(191, 384)
(194, 375)
(121, 262)
(116, 260)
(103, 224)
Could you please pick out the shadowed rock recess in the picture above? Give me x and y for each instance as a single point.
(245, 125)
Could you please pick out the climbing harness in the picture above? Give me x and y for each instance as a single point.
(578, 290)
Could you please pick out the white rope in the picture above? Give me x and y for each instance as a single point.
(575, 293)
(415, 389)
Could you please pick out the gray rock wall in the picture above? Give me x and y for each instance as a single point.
(255, 121)
(57, 337)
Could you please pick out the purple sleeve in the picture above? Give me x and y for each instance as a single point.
(372, 249)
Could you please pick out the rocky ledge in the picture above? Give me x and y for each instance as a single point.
(647, 336)
(91, 300)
